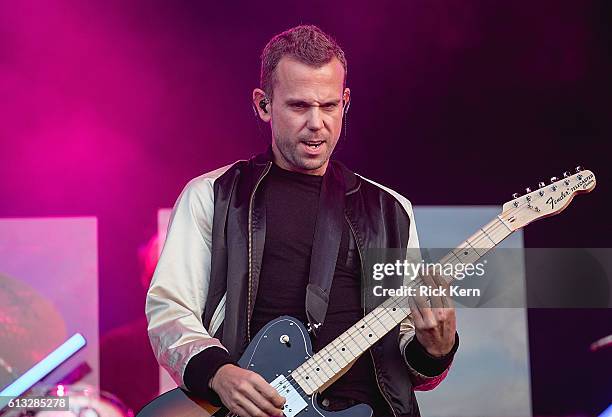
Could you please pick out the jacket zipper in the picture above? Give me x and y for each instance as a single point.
(269, 164)
(364, 314)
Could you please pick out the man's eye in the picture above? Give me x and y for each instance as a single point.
(329, 106)
(298, 105)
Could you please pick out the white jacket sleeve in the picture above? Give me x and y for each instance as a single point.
(178, 290)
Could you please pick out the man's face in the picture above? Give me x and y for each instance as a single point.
(306, 114)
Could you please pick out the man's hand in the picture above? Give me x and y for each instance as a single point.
(246, 393)
(435, 325)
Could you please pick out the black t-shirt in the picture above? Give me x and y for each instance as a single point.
(291, 200)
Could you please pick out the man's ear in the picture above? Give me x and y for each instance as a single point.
(346, 100)
(261, 104)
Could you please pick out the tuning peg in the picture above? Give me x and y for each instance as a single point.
(566, 174)
(527, 190)
(515, 196)
(553, 179)
(578, 168)
(541, 184)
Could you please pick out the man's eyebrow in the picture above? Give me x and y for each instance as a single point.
(295, 101)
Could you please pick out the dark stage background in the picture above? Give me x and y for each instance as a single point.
(109, 108)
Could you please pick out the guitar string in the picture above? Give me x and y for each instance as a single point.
(485, 233)
(350, 334)
(480, 236)
(497, 223)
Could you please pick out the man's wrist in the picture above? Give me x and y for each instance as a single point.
(424, 362)
(212, 378)
(201, 368)
(437, 351)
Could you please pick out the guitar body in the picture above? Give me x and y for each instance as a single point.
(278, 348)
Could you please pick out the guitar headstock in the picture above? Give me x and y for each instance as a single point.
(548, 200)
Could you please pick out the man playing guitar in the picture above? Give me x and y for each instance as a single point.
(282, 234)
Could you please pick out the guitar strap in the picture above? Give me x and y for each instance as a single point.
(325, 245)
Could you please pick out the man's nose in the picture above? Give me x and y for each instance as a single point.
(315, 121)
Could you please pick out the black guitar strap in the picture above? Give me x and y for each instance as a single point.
(325, 245)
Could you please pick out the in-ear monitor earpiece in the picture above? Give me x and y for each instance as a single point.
(262, 105)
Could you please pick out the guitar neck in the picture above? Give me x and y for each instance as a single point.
(323, 366)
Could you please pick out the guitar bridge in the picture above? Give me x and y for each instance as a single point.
(294, 402)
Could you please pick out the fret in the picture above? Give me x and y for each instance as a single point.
(341, 345)
(478, 249)
(346, 340)
(385, 318)
(312, 381)
(376, 326)
(345, 353)
(331, 364)
(451, 254)
(334, 351)
(370, 335)
(307, 382)
(390, 316)
(488, 238)
(317, 376)
(319, 373)
(318, 369)
(325, 361)
(360, 339)
(464, 255)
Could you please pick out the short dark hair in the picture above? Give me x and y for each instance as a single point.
(307, 44)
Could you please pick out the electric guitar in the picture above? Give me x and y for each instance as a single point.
(281, 352)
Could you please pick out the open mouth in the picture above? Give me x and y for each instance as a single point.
(313, 144)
